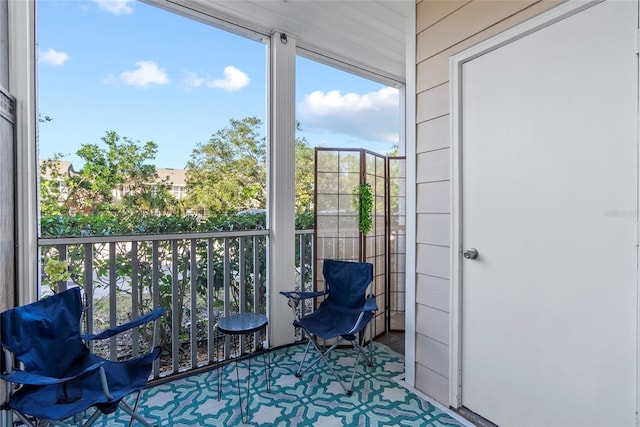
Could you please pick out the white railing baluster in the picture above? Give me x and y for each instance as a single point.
(301, 247)
(194, 304)
(257, 279)
(227, 290)
(176, 308)
(257, 300)
(113, 300)
(88, 290)
(135, 302)
(242, 283)
(155, 291)
(211, 321)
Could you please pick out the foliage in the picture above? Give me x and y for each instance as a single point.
(365, 207)
(57, 270)
(304, 221)
(304, 174)
(116, 176)
(228, 173)
(53, 185)
(44, 119)
(110, 224)
(225, 222)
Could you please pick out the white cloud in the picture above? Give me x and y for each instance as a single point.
(116, 7)
(373, 115)
(193, 80)
(53, 57)
(147, 73)
(233, 80)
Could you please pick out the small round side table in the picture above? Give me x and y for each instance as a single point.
(238, 325)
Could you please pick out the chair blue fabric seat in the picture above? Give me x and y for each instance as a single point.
(345, 312)
(60, 376)
(334, 320)
(51, 401)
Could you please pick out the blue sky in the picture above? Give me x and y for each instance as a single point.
(147, 74)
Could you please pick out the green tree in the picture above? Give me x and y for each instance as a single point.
(228, 173)
(395, 150)
(304, 175)
(54, 174)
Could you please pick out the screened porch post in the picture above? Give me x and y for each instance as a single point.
(281, 185)
(7, 224)
(22, 85)
(7, 235)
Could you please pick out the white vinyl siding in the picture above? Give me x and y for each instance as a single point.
(443, 28)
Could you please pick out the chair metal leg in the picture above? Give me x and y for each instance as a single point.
(135, 406)
(24, 419)
(323, 357)
(304, 358)
(368, 359)
(323, 352)
(129, 410)
(92, 419)
(353, 372)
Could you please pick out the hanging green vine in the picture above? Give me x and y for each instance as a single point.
(365, 208)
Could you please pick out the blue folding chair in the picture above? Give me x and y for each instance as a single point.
(56, 378)
(343, 314)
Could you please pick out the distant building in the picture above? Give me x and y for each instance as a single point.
(65, 169)
(177, 179)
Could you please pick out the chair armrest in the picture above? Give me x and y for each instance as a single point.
(299, 296)
(24, 377)
(370, 304)
(149, 317)
(294, 299)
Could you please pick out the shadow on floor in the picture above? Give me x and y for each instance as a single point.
(393, 340)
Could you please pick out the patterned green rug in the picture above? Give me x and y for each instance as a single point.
(316, 399)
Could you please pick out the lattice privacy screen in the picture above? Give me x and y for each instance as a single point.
(338, 175)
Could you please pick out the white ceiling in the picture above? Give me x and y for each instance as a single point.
(366, 37)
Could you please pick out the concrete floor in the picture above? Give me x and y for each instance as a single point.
(393, 340)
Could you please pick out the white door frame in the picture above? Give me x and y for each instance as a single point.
(456, 62)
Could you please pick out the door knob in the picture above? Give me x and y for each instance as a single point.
(470, 253)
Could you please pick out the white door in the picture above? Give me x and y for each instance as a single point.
(549, 198)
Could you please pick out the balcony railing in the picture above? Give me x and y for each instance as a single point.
(197, 277)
